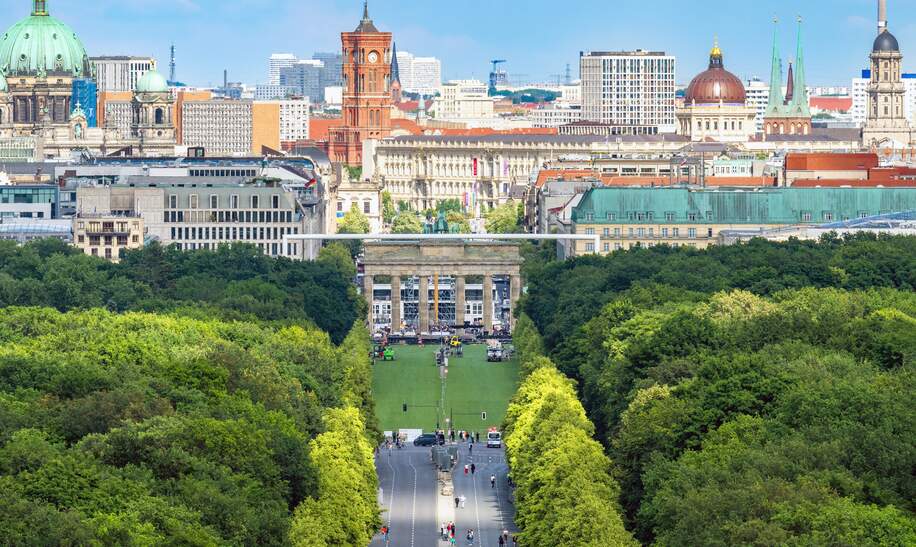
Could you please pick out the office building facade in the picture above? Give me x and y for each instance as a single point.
(294, 120)
(276, 63)
(630, 91)
(303, 78)
(120, 73)
(221, 127)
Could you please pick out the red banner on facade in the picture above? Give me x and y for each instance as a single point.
(475, 167)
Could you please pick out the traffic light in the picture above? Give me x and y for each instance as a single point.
(404, 407)
(483, 416)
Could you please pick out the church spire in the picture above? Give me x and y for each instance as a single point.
(800, 94)
(395, 68)
(776, 97)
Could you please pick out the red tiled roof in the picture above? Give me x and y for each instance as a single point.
(853, 183)
(836, 104)
(831, 162)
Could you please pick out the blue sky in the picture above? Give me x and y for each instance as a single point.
(538, 37)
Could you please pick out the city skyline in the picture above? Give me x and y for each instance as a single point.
(204, 30)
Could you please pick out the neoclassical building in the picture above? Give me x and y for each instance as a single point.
(40, 57)
(886, 123)
(715, 105)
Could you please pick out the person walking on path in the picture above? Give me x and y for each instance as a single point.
(470, 536)
(505, 535)
(464, 499)
(456, 502)
(471, 447)
(473, 468)
(492, 481)
(466, 469)
(501, 541)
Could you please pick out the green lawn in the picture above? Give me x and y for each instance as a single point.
(473, 386)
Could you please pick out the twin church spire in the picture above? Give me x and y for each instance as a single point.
(793, 103)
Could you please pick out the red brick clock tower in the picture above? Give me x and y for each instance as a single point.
(367, 91)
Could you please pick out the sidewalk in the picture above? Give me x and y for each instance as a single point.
(445, 501)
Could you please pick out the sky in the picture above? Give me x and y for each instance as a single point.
(537, 37)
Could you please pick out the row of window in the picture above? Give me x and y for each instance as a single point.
(108, 240)
(273, 249)
(254, 201)
(247, 217)
(606, 247)
(231, 234)
(640, 233)
(670, 216)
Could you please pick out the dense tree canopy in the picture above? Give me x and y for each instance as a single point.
(144, 429)
(236, 282)
(751, 395)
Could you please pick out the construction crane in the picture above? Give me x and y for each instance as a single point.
(497, 76)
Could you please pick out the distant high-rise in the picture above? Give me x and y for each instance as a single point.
(631, 92)
(331, 74)
(304, 79)
(276, 63)
(120, 72)
(419, 74)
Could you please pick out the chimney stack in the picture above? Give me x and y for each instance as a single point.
(882, 16)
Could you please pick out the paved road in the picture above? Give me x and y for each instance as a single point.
(487, 510)
(407, 478)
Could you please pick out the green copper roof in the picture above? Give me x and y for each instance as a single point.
(40, 45)
(767, 206)
(152, 82)
(798, 106)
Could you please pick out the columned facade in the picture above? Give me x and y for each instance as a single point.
(456, 268)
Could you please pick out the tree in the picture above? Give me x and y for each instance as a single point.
(338, 257)
(452, 205)
(406, 223)
(388, 209)
(353, 222)
(504, 219)
(458, 219)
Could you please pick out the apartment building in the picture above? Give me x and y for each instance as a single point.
(107, 236)
(221, 127)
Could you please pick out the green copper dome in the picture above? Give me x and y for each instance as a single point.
(40, 45)
(152, 82)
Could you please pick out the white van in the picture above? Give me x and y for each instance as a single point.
(494, 439)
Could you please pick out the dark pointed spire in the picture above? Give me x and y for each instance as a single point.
(790, 87)
(395, 68)
(366, 25)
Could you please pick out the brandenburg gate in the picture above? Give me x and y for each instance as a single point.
(431, 260)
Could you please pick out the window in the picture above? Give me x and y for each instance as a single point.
(806, 216)
(214, 201)
(617, 232)
(275, 201)
(641, 232)
(664, 232)
(234, 201)
(606, 232)
(193, 201)
(709, 233)
(367, 207)
(692, 217)
(612, 216)
(863, 214)
(173, 201)
(828, 216)
(339, 206)
(640, 217)
(589, 231)
(589, 217)
(651, 232)
(254, 202)
(629, 232)
(692, 233)
(675, 232)
(708, 215)
(607, 247)
(669, 217)
(590, 247)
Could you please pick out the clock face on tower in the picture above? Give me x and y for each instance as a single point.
(373, 57)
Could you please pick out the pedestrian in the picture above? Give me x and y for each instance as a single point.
(442, 531)
(502, 542)
(514, 540)
(471, 447)
(505, 534)
(477, 437)
(463, 500)
(456, 502)
(470, 536)
(492, 481)
(466, 468)
(473, 468)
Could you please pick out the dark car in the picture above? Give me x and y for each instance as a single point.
(426, 439)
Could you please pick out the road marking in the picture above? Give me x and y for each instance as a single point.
(477, 512)
(413, 515)
(394, 480)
